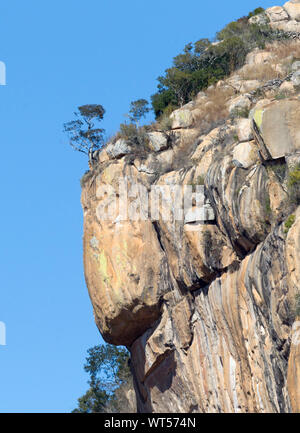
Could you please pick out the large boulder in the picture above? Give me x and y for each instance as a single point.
(287, 26)
(257, 57)
(260, 19)
(118, 149)
(277, 13)
(295, 79)
(244, 130)
(276, 127)
(158, 141)
(245, 154)
(293, 9)
(125, 266)
(181, 118)
(239, 104)
(296, 65)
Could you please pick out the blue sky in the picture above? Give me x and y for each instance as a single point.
(59, 55)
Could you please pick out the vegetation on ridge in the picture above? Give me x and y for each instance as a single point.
(204, 63)
(198, 67)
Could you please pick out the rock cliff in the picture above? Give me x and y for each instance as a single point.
(205, 301)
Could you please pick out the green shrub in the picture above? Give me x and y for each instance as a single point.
(256, 11)
(268, 205)
(289, 222)
(162, 100)
(297, 304)
(294, 185)
(164, 122)
(281, 95)
(198, 181)
(279, 169)
(240, 112)
(133, 134)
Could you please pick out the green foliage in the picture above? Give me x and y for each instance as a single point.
(279, 169)
(164, 122)
(280, 96)
(93, 401)
(268, 205)
(83, 134)
(235, 28)
(256, 12)
(294, 185)
(162, 100)
(297, 304)
(203, 63)
(138, 109)
(198, 181)
(132, 133)
(109, 371)
(240, 112)
(289, 222)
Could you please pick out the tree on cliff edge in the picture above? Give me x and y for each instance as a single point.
(110, 381)
(84, 136)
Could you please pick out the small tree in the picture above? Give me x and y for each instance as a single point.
(84, 136)
(138, 109)
(110, 379)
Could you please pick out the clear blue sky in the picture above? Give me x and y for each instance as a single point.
(61, 54)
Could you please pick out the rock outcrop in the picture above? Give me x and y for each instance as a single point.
(203, 300)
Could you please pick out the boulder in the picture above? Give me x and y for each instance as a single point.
(181, 118)
(262, 103)
(118, 149)
(205, 214)
(103, 156)
(296, 65)
(244, 130)
(277, 13)
(249, 85)
(257, 57)
(295, 79)
(245, 154)
(260, 19)
(239, 103)
(293, 9)
(158, 141)
(287, 87)
(276, 128)
(287, 26)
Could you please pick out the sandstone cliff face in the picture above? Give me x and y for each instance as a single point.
(205, 305)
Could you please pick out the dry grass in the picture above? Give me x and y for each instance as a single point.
(278, 66)
(284, 50)
(215, 109)
(262, 72)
